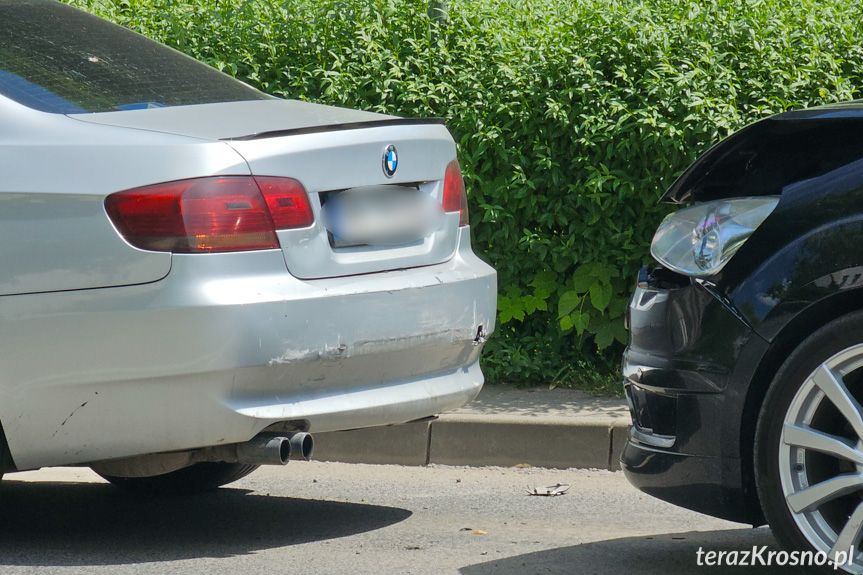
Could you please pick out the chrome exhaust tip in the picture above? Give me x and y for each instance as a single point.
(302, 446)
(265, 450)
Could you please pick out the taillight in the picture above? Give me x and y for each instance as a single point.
(454, 196)
(205, 215)
(287, 201)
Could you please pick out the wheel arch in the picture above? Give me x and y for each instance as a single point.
(794, 333)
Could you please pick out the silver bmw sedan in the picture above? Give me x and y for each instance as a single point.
(195, 276)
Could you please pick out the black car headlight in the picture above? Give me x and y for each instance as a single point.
(699, 241)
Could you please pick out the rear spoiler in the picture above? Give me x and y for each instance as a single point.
(338, 128)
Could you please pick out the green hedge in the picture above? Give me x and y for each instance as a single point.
(571, 116)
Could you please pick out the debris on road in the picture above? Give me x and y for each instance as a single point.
(550, 491)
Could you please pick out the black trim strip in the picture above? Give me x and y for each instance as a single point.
(339, 127)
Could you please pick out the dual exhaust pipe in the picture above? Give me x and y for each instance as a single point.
(264, 449)
(276, 449)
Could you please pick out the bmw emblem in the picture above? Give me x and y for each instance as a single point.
(391, 161)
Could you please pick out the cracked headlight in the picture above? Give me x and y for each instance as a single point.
(699, 241)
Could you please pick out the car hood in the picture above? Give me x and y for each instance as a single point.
(766, 157)
(232, 120)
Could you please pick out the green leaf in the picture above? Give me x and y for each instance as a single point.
(568, 302)
(604, 336)
(600, 296)
(535, 302)
(504, 306)
(582, 283)
(617, 306)
(583, 278)
(581, 321)
(545, 281)
(541, 294)
(509, 309)
(598, 271)
(566, 323)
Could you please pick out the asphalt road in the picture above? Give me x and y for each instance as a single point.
(335, 518)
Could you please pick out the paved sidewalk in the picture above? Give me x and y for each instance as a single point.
(505, 426)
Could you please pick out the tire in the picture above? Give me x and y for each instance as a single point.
(810, 431)
(196, 478)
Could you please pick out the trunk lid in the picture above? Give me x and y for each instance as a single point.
(332, 162)
(330, 151)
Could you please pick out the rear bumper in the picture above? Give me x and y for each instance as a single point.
(686, 373)
(230, 344)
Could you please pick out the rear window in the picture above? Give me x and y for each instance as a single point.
(57, 59)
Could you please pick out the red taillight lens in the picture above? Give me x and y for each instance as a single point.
(287, 201)
(204, 215)
(454, 196)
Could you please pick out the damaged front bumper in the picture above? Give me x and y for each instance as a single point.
(687, 348)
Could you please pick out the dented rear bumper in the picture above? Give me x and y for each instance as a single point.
(228, 345)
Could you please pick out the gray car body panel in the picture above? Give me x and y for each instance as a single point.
(108, 351)
(54, 175)
(229, 120)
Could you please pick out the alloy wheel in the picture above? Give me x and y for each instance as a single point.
(821, 456)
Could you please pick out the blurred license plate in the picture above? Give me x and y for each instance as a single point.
(381, 215)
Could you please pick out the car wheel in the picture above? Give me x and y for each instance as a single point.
(196, 478)
(809, 444)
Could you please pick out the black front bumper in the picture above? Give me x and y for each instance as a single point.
(705, 484)
(686, 373)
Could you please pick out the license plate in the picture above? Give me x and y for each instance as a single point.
(381, 215)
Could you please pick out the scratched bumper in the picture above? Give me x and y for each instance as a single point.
(215, 353)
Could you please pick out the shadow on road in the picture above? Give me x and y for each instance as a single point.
(96, 524)
(672, 554)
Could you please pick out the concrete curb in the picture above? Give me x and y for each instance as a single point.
(479, 440)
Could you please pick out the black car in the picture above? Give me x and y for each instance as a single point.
(744, 371)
